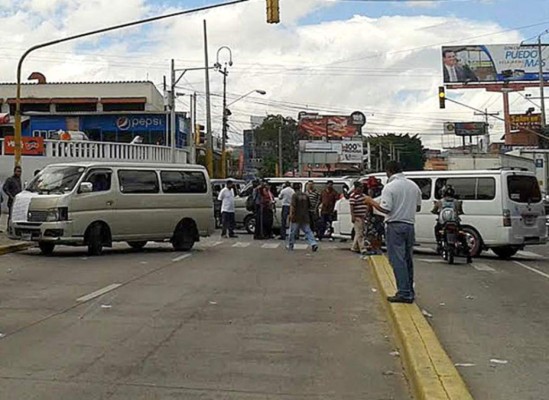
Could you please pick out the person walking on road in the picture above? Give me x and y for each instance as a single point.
(256, 196)
(300, 219)
(328, 199)
(400, 201)
(285, 197)
(314, 199)
(357, 201)
(226, 197)
(12, 187)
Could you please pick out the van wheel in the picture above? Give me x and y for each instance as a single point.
(473, 240)
(249, 224)
(95, 240)
(46, 248)
(137, 245)
(183, 239)
(505, 252)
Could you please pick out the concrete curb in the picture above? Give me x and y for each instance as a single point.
(432, 374)
(12, 248)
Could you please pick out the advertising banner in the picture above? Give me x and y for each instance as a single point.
(337, 126)
(337, 151)
(466, 128)
(529, 121)
(493, 63)
(32, 146)
(351, 152)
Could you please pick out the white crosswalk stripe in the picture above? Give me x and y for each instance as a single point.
(242, 244)
(524, 253)
(300, 246)
(483, 267)
(270, 245)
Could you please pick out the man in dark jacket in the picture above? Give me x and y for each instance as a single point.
(12, 187)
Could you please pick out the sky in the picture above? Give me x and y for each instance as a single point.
(327, 56)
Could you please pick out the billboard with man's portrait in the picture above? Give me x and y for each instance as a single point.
(493, 63)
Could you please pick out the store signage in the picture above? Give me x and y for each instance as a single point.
(31, 146)
(127, 123)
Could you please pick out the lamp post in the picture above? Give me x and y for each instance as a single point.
(225, 73)
(258, 91)
(18, 129)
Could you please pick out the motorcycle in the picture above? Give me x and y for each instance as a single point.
(453, 243)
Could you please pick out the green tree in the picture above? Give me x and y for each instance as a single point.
(404, 147)
(266, 137)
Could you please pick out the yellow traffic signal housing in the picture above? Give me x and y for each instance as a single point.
(273, 11)
(441, 97)
(200, 135)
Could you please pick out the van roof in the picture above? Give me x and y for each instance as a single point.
(87, 164)
(458, 172)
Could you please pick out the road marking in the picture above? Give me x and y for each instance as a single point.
(241, 244)
(270, 246)
(483, 267)
(429, 260)
(537, 271)
(524, 253)
(213, 244)
(180, 258)
(301, 247)
(99, 292)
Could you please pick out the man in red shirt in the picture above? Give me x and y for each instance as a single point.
(328, 199)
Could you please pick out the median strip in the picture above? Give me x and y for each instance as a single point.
(15, 247)
(432, 374)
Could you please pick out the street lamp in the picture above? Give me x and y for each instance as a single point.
(18, 129)
(225, 116)
(258, 91)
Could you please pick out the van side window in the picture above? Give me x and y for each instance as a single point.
(138, 181)
(468, 188)
(100, 180)
(425, 186)
(183, 182)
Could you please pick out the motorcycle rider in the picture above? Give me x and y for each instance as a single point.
(448, 209)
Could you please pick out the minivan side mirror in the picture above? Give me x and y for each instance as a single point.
(86, 187)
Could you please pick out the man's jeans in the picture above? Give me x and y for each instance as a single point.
(284, 221)
(294, 233)
(228, 223)
(400, 247)
(325, 223)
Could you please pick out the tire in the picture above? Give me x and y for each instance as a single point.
(505, 252)
(473, 240)
(95, 240)
(249, 224)
(137, 245)
(46, 248)
(183, 239)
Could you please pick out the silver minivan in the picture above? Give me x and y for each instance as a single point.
(94, 204)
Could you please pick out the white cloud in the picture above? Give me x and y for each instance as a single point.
(388, 67)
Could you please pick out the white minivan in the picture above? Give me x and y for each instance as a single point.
(94, 204)
(504, 209)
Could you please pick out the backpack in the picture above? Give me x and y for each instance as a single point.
(250, 201)
(447, 212)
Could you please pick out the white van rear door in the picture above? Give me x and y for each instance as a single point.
(523, 200)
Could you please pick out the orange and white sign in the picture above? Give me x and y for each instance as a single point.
(31, 146)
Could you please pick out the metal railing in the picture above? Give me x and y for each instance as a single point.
(107, 151)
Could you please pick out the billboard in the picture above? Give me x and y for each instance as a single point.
(335, 151)
(529, 121)
(493, 63)
(335, 126)
(466, 128)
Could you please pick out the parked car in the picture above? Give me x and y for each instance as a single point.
(94, 204)
(504, 209)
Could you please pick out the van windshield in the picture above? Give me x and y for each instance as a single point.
(523, 189)
(56, 179)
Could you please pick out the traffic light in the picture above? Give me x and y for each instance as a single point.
(441, 97)
(273, 11)
(200, 135)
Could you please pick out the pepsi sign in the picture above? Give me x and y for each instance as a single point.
(130, 123)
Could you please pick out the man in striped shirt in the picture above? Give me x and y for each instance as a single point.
(358, 214)
(314, 200)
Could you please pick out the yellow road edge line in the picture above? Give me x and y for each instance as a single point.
(430, 370)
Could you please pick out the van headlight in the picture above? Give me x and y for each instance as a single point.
(57, 214)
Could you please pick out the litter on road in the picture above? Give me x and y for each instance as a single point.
(464, 365)
(497, 361)
(426, 313)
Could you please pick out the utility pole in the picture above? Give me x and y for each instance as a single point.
(380, 158)
(209, 139)
(192, 133)
(172, 111)
(280, 163)
(541, 83)
(224, 127)
(369, 147)
(166, 105)
(486, 145)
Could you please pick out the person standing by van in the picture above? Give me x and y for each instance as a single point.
(300, 218)
(12, 187)
(328, 199)
(400, 201)
(226, 197)
(314, 199)
(358, 215)
(285, 197)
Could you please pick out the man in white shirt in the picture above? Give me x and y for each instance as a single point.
(453, 72)
(226, 197)
(400, 200)
(285, 197)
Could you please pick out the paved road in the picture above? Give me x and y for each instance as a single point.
(493, 309)
(232, 320)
